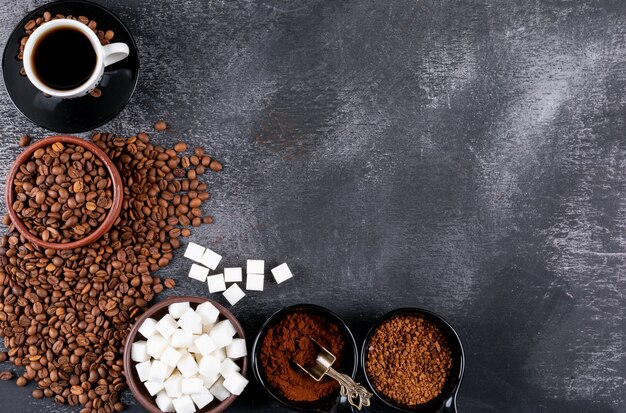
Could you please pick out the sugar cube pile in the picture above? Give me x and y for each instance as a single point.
(188, 358)
(206, 260)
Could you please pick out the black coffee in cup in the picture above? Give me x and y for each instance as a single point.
(64, 58)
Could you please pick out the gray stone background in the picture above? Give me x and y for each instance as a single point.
(463, 156)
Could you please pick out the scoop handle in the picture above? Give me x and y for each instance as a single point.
(358, 396)
(449, 406)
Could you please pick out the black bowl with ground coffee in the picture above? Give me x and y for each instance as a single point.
(413, 360)
(284, 340)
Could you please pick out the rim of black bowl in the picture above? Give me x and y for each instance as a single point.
(257, 368)
(453, 382)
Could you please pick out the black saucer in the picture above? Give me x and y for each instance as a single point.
(79, 114)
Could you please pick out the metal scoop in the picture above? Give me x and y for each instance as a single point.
(357, 395)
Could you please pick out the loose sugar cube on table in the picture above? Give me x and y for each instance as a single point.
(190, 322)
(198, 272)
(148, 327)
(222, 333)
(143, 370)
(209, 366)
(237, 349)
(202, 398)
(281, 273)
(164, 402)
(173, 385)
(255, 267)
(184, 404)
(139, 351)
(166, 325)
(187, 366)
(216, 283)
(178, 309)
(219, 391)
(181, 339)
(233, 275)
(171, 356)
(228, 366)
(233, 294)
(210, 259)
(194, 251)
(192, 385)
(153, 387)
(156, 345)
(235, 383)
(254, 282)
(208, 313)
(205, 344)
(158, 371)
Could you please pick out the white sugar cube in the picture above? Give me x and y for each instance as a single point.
(166, 325)
(216, 283)
(153, 387)
(222, 333)
(206, 328)
(171, 356)
(254, 282)
(210, 259)
(158, 371)
(192, 347)
(208, 313)
(237, 349)
(148, 327)
(255, 267)
(181, 339)
(281, 273)
(202, 398)
(194, 252)
(210, 381)
(164, 402)
(219, 391)
(187, 366)
(209, 366)
(235, 383)
(205, 344)
(233, 294)
(139, 351)
(173, 385)
(190, 322)
(143, 370)
(184, 404)
(220, 354)
(156, 345)
(233, 275)
(198, 272)
(228, 366)
(169, 371)
(192, 385)
(178, 309)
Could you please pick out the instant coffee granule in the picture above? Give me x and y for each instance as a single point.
(408, 360)
(63, 193)
(289, 342)
(65, 314)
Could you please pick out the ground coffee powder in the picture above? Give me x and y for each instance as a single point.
(408, 360)
(289, 342)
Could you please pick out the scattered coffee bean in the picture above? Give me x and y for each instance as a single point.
(180, 147)
(6, 375)
(3, 356)
(215, 166)
(21, 381)
(38, 394)
(169, 283)
(62, 193)
(24, 140)
(96, 92)
(160, 126)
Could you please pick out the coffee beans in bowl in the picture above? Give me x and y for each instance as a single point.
(63, 192)
(186, 354)
(413, 360)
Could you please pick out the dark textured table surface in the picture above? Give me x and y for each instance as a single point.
(463, 156)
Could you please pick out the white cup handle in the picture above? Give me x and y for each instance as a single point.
(115, 52)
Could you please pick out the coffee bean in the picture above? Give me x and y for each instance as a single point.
(3, 356)
(6, 375)
(21, 381)
(215, 166)
(24, 140)
(160, 126)
(169, 283)
(180, 147)
(37, 394)
(96, 92)
(30, 25)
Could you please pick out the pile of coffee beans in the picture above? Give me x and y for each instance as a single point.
(65, 314)
(408, 360)
(63, 193)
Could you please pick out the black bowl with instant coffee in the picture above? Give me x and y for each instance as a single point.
(284, 338)
(414, 361)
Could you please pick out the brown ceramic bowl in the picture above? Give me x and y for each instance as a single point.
(157, 311)
(114, 212)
